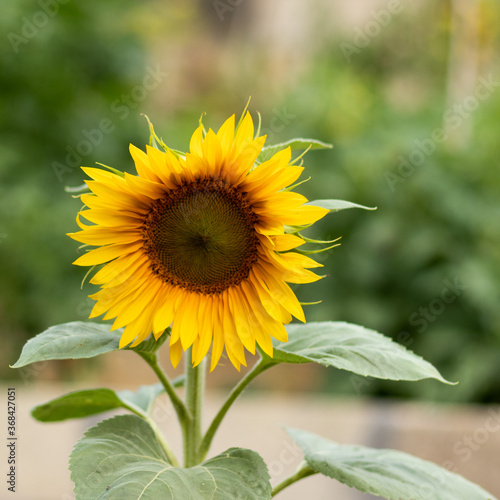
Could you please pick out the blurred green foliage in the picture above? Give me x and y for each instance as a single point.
(424, 268)
(61, 70)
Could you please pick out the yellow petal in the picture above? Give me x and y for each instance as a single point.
(289, 268)
(280, 290)
(263, 325)
(98, 174)
(196, 143)
(236, 320)
(224, 320)
(175, 353)
(164, 316)
(302, 216)
(137, 307)
(259, 320)
(185, 324)
(116, 299)
(218, 336)
(119, 198)
(104, 254)
(244, 135)
(267, 169)
(197, 166)
(140, 338)
(119, 270)
(142, 164)
(285, 242)
(269, 227)
(278, 331)
(153, 190)
(212, 153)
(110, 219)
(284, 200)
(130, 333)
(148, 313)
(201, 345)
(158, 162)
(99, 203)
(295, 259)
(139, 329)
(157, 335)
(243, 163)
(263, 338)
(266, 299)
(99, 236)
(226, 134)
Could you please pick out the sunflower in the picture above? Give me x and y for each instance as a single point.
(199, 242)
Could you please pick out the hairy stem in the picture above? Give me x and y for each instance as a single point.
(303, 472)
(159, 435)
(260, 367)
(179, 406)
(195, 390)
(164, 443)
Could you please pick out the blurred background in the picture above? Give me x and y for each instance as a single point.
(407, 92)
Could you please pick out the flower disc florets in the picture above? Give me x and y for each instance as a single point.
(201, 236)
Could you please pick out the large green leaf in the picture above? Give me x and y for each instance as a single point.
(77, 404)
(352, 348)
(295, 144)
(122, 458)
(73, 340)
(80, 404)
(336, 205)
(387, 473)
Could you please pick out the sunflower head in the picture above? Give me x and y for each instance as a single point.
(202, 242)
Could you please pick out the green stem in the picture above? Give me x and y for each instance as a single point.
(164, 443)
(179, 406)
(303, 472)
(260, 367)
(195, 390)
(159, 435)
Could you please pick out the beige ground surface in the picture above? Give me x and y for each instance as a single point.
(461, 437)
